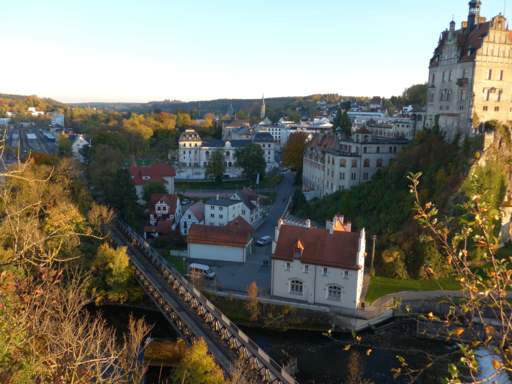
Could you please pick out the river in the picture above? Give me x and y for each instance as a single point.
(321, 359)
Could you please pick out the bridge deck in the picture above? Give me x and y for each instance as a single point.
(222, 336)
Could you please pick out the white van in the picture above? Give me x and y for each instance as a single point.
(202, 270)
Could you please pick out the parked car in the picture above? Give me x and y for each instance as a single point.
(265, 240)
(202, 270)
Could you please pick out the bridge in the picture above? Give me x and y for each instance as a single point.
(192, 315)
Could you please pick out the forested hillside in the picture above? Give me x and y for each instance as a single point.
(20, 104)
(384, 206)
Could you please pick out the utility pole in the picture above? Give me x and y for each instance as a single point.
(374, 241)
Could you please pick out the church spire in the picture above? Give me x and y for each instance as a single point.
(263, 111)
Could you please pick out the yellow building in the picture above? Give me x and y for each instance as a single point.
(470, 80)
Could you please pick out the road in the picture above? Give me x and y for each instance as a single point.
(237, 277)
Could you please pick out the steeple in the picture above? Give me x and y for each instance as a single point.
(474, 13)
(263, 108)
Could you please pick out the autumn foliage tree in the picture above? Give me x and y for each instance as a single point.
(293, 152)
(252, 304)
(198, 367)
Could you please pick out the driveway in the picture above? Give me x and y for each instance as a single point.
(284, 192)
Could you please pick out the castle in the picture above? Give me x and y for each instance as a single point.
(470, 79)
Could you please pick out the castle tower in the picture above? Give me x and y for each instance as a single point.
(474, 13)
(263, 108)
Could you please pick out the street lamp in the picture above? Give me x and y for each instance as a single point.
(374, 241)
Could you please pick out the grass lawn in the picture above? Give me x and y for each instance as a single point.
(179, 263)
(380, 286)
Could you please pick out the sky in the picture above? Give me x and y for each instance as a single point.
(145, 50)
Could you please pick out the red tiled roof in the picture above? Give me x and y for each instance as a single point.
(170, 200)
(198, 210)
(155, 172)
(230, 235)
(241, 224)
(338, 250)
(163, 227)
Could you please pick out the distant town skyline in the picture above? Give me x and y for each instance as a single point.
(108, 51)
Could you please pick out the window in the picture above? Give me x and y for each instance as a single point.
(496, 109)
(296, 287)
(390, 149)
(489, 76)
(378, 149)
(354, 163)
(342, 176)
(189, 216)
(243, 211)
(221, 216)
(343, 163)
(306, 268)
(347, 275)
(288, 267)
(365, 150)
(324, 272)
(502, 74)
(353, 176)
(367, 163)
(212, 215)
(221, 208)
(379, 163)
(334, 293)
(486, 108)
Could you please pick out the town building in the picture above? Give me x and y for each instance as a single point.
(391, 128)
(194, 153)
(57, 119)
(193, 215)
(164, 214)
(232, 243)
(319, 266)
(219, 212)
(338, 163)
(158, 172)
(251, 210)
(233, 128)
(470, 75)
(34, 112)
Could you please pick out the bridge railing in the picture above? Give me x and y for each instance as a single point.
(234, 331)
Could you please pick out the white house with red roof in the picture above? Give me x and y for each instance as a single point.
(232, 242)
(159, 172)
(319, 266)
(193, 215)
(164, 214)
(251, 209)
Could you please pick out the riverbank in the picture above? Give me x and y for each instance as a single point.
(320, 359)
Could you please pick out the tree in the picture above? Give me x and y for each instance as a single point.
(342, 122)
(293, 152)
(485, 282)
(183, 120)
(153, 188)
(252, 304)
(198, 367)
(415, 95)
(64, 146)
(252, 161)
(114, 276)
(216, 167)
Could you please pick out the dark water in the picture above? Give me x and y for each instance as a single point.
(320, 359)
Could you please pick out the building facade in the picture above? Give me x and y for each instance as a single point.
(159, 172)
(332, 164)
(318, 266)
(470, 75)
(195, 153)
(219, 212)
(194, 214)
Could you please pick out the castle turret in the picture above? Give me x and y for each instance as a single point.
(474, 13)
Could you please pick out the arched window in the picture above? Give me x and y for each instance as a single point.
(296, 287)
(334, 292)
